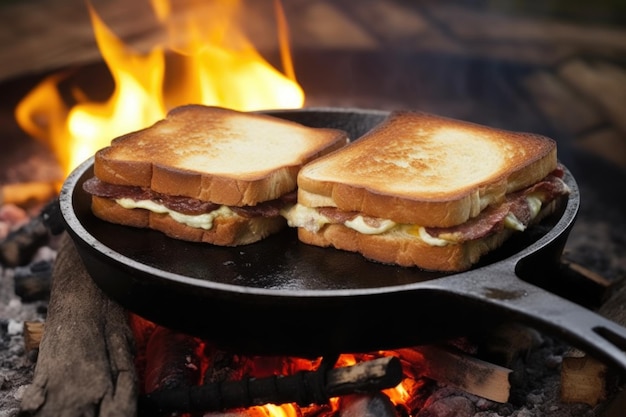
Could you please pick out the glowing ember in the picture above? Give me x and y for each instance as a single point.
(216, 65)
(219, 365)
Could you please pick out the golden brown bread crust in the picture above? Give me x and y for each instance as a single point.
(230, 231)
(408, 252)
(404, 250)
(395, 170)
(216, 154)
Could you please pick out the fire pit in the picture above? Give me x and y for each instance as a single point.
(518, 90)
(121, 321)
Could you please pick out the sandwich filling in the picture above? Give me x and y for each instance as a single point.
(186, 210)
(517, 211)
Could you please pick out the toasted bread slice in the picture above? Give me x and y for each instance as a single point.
(216, 154)
(424, 169)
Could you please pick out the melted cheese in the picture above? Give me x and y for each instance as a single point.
(535, 204)
(512, 222)
(358, 224)
(305, 217)
(311, 219)
(199, 221)
(432, 241)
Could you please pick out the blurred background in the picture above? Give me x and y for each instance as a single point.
(554, 67)
(557, 67)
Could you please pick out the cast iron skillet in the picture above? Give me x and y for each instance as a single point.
(279, 296)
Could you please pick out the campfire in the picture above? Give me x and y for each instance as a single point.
(205, 60)
(164, 371)
(182, 373)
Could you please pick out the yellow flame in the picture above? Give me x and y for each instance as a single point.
(284, 410)
(42, 114)
(216, 64)
(135, 103)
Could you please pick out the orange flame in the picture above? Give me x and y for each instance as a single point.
(259, 367)
(216, 65)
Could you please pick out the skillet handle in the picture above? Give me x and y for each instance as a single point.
(519, 300)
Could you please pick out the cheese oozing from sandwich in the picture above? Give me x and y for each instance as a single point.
(313, 220)
(200, 221)
(298, 215)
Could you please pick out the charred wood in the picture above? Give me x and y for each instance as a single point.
(32, 282)
(582, 285)
(303, 388)
(508, 343)
(52, 217)
(173, 360)
(222, 365)
(21, 244)
(85, 362)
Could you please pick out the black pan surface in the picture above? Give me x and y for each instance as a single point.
(279, 296)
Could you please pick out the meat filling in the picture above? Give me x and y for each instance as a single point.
(181, 204)
(491, 220)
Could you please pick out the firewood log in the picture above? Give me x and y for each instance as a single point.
(173, 359)
(85, 362)
(303, 388)
(585, 379)
(457, 369)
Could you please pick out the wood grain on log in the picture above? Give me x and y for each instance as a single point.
(85, 362)
(460, 370)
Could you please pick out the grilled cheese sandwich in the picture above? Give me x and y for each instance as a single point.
(206, 174)
(427, 191)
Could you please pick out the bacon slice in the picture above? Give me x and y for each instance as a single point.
(491, 220)
(181, 204)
